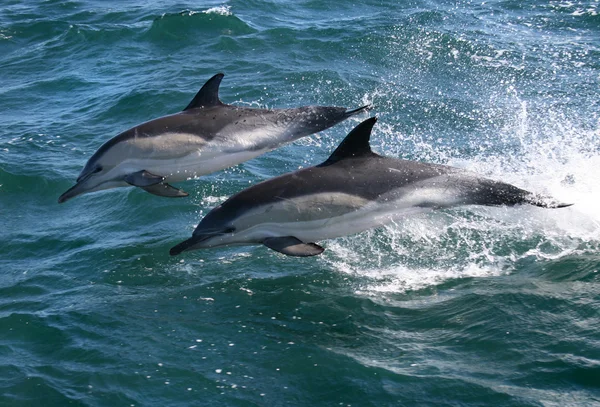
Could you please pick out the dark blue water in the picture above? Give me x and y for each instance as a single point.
(471, 306)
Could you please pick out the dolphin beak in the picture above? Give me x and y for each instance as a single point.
(194, 242)
(72, 192)
(183, 246)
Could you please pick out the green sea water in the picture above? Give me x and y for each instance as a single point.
(465, 307)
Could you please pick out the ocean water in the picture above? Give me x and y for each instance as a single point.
(466, 307)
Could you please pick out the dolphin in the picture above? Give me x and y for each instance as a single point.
(207, 136)
(354, 190)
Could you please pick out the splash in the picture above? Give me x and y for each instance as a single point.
(548, 153)
(220, 10)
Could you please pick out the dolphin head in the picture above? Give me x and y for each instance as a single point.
(95, 176)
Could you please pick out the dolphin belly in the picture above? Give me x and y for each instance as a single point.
(181, 156)
(192, 165)
(331, 228)
(323, 216)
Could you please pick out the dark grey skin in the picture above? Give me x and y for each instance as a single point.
(354, 190)
(207, 136)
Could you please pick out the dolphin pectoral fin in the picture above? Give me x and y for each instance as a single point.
(143, 179)
(154, 184)
(293, 246)
(164, 189)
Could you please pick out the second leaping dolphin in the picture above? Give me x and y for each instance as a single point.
(207, 136)
(354, 190)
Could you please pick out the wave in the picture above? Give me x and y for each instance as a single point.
(184, 25)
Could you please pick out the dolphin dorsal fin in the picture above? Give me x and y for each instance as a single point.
(208, 95)
(356, 143)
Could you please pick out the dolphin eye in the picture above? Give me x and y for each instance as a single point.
(98, 169)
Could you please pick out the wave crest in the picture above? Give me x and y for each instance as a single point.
(185, 24)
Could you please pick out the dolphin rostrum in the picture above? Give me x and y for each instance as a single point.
(207, 136)
(354, 190)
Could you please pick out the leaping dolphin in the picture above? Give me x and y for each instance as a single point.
(207, 136)
(354, 190)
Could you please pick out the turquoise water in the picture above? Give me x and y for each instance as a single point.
(471, 306)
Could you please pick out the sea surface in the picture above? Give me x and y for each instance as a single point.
(474, 306)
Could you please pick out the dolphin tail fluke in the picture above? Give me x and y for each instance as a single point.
(364, 108)
(489, 192)
(545, 201)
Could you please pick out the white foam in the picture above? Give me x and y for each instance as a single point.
(220, 10)
(549, 155)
